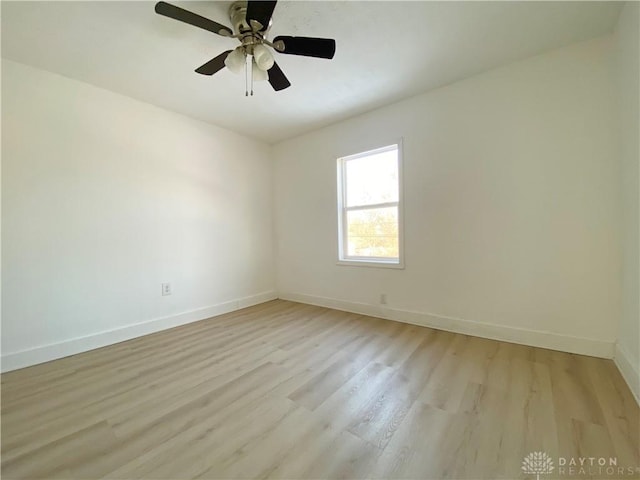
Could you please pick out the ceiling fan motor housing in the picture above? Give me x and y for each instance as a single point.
(238, 17)
(249, 34)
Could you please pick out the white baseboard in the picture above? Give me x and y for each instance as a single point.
(629, 369)
(553, 341)
(534, 338)
(45, 353)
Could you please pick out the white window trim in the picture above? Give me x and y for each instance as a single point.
(375, 262)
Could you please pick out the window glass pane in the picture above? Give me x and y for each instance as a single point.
(372, 179)
(373, 233)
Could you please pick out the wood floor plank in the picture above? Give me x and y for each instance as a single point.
(408, 455)
(285, 390)
(387, 408)
(56, 459)
(622, 419)
(216, 446)
(349, 457)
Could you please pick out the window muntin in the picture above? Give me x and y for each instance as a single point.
(369, 207)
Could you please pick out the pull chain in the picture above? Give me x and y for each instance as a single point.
(246, 88)
(252, 77)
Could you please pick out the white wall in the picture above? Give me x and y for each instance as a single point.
(512, 210)
(627, 49)
(103, 199)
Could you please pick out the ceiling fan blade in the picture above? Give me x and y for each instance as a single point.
(307, 46)
(177, 13)
(214, 65)
(277, 79)
(260, 11)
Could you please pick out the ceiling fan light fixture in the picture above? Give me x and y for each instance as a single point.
(236, 60)
(263, 58)
(258, 74)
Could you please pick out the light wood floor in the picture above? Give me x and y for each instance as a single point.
(285, 390)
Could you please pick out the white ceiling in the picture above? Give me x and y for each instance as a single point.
(385, 51)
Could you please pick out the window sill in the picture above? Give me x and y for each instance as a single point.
(370, 264)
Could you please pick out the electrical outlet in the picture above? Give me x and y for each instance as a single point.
(166, 289)
(383, 298)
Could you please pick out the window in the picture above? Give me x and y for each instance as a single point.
(369, 208)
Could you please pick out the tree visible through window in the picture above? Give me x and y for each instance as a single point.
(369, 206)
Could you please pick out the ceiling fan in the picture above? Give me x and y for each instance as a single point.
(251, 21)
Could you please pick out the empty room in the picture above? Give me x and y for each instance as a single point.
(320, 240)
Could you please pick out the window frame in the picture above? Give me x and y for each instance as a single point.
(377, 262)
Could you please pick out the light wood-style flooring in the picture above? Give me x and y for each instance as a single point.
(292, 391)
